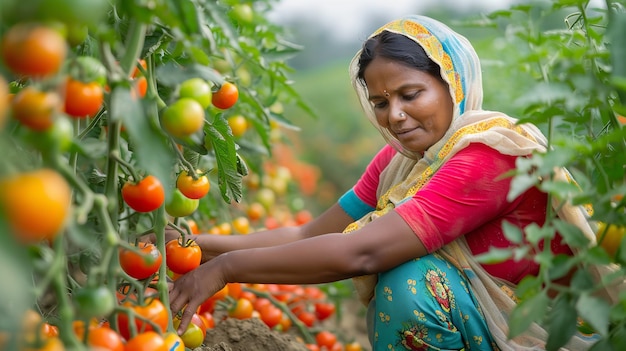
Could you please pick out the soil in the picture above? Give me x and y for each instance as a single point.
(252, 334)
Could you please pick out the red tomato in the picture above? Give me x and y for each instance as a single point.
(208, 319)
(36, 109)
(33, 50)
(312, 347)
(36, 204)
(182, 258)
(307, 318)
(324, 310)
(325, 339)
(226, 96)
(193, 188)
(105, 338)
(141, 265)
(145, 196)
(153, 310)
(83, 99)
(271, 315)
(147, 341)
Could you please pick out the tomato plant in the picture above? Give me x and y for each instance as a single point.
(83, 99)
(143, 263)
(180, 205)
(35, 108)
(33, 50)
(193, 188)
(226, 96)
(183, 117)
(41, 194)
(92, 302)
(145, 196)
(182, 258)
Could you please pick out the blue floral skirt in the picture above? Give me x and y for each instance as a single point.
(426, 304)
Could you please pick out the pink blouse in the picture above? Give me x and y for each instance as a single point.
(466, 196)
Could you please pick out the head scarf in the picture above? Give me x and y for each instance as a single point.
(409, 171)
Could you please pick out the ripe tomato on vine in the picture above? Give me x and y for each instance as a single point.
(144, 196)
(226, 96)
(193, 188)
(153, 310)
(142, 264)
(182, 257)
(36, 108)
(83, 99)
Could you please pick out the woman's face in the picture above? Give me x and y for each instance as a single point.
(413, 105)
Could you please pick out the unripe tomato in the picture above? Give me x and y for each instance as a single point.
(183, 118)
(243, 13)
(94, 302)
(238, 125)
(193, 188)
(146, 341)
(57, 138)
(83, 99)
(192, 337)
(33, 50)
(145, 196)
(153, 310)
(197, 89)
(180, 205)
(36, 204)
(36, 109)
(182, 258)
(142, 264)
(226, 96)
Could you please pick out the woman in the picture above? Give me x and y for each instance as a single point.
(430, 200)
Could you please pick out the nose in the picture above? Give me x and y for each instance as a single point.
(396, 112)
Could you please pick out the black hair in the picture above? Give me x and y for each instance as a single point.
(398, 48)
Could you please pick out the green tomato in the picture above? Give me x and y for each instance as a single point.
(180, 205)
(243, 13)
(57, 138)
(183, 118)
(197, 89)
(193, 336)
(94, 302)
(89, 69)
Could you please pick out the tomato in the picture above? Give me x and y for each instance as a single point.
(255, 211)
(145, 196)
(226, 96)
(57, 138)
(193, 188)
(180, 205)
(303, 216)
(93, 302)
(238, 125)
(88, 69)
(136, 71)
(242, 309)
(241, 224)
(33, 50)
(36, 109)
(208, 319)
(153, 310)
(243, 13)
(353, 346)
(182, 258)
(271, 315)
(225, 228)
(36, 204)
(83, 99)
(146, 341)
(48, 330)
(193, 226)
(325, 339)
(234, 290)
(183, 118)
(312, 347)
(285, 322)
(324, 310)
(51, 344)
(197, 89)
(192, 337)
(105, 338)
(142, 264)
(612, 239)
(266, 197)
(140, 87)
(173, 342)
(307, 318)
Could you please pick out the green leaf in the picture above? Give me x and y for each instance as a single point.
(571, 234)
(513, 233)
(561, 324)
(528, 312)
(228, 162)
(595, 311)
(172, 74)
(494, 255)
(535, 234)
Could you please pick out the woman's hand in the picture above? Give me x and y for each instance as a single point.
(189, 291)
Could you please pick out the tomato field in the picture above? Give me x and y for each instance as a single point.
(121, 118)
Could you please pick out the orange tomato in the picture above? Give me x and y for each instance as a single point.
(36, 204)
(193, 226)
(255, 211)
(173, 342)
(146, 341)
(238, 125)
(225, 228)
(153, 310)
(193, 188)
(33, 50)
(226, 96)
(105, 338)
(242, 309)
(83, 99)
(35, 108)
(241, 225)
(353, 346)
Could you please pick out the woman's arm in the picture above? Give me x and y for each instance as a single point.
(379, 246)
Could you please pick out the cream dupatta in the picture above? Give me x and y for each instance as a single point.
(408, 171)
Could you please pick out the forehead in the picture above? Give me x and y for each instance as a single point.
(386, 74)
